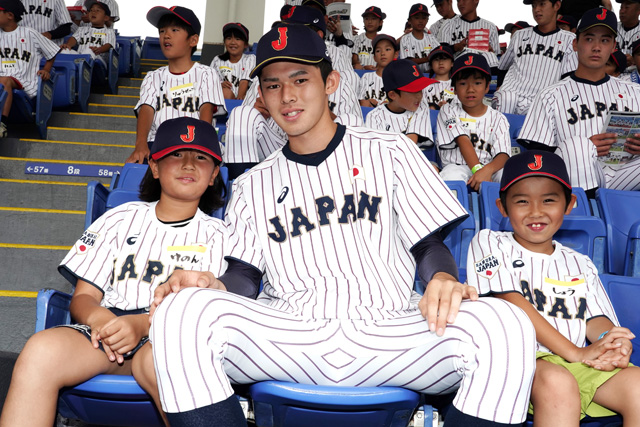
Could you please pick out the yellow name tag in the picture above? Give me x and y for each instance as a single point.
(469, 124)
(8, 64)
(187, 89)
(576, 288)
(185, 257)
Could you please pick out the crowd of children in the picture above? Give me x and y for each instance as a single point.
(563, 74)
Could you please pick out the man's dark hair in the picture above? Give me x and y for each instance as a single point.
(503, 198)
(470, 72)
(325, 69)
(212, 199)
(172, 20)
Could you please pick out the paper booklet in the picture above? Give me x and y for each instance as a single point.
(344, 11)
(623, 124)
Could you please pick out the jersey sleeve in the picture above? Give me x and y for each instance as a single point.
(149, 91)
(61, 14)
(420, 124)
(509, 55)
(539, 125)
(421, 209)
(244, 244)
(494, 39)
(404, 49)
(111, 38)
(444, 35)
(488, 262)
(362, 86)
(449, 127)
(46, 47)
(502, 136)
(210, 91)
(372, 121)
(249, 66)
(598, 303)
(91, 258)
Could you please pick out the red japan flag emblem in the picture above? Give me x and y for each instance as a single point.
(621, 96)
(357, 172)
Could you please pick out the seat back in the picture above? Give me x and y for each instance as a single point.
(515, 125)
(632, 262)
(66, 85)
(624, 293)
(620, 210)
(126, 45)
(151, 48)
(130, 177)
(459, 239)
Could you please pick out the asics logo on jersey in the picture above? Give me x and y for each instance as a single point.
(518, 263)
(283, 194)
(282, 41)
(537, 163)
(575, 98)
(603, 15)
(525, 39)
(190, 135)
(131, 240)
(326, 213)
(469, 61)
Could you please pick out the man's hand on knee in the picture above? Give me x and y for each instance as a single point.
(441, 301)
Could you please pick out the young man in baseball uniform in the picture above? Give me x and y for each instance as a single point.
(182, 88)
(536, 58)
(569, 116)
(560, 291)
(628, 26)
(337, 220)
(48, 17)
(444, 9)
(417, 45)
(21, 49)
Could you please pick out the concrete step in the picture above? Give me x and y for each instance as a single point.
(129, 90)
(101, 136)
(41, 228)
(40, 266)
(85, 152)
(130, 81)
(18, 322)
(130, 100)
(14, 168)
(52, 196)
(119, 122)
(96, 108)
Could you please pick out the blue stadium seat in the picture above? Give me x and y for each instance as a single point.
(459, 239)
(365, 111)
(151, 48)
(38, 108)
(131, 47)
(624, 293)
(3, 97)
(73, 84)
(361, 73)
(580, 231)
(515, 125)
(620, 211)
(281, 404)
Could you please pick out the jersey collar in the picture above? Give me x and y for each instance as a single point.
(537, 31)
(589, 82)
(470, 22)
(315, 159)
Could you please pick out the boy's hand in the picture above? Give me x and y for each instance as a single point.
(482, 175)
(619, 356)
(139, 155)
(333, 26)
(121, 335)
(95, 49)
(441, 301)
(370, 67)
(632, 145)
(460, 45)
(603, 142)
(44, 75)
(64, 46)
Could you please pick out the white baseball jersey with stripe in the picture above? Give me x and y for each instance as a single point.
(489, 134)
(234, 72)
(341, 62)
(371, 87)
(534, 61)
(564, 286)
(626, 37)
(418, 122)
(128, 252)
(20, 54)
(435, 93)
(88, 37)
(437, 26)
(411, 47)
(333, 235)
(568, 113)
(180, 95)
(362, 47)
(457, 28)
(45, 15)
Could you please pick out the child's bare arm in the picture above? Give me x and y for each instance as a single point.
(242, 89)
(468, 152)
(206, 112)
(145, 120)
(488, 170)
(45, 73)
(355, 61)
(69, 44)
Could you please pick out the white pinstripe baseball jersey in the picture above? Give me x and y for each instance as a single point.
(128, 252)
(20, 54)
(180, 95)
(341, 62)
(435, 28)
(418, 122)
(362, 47)
(489, 134)
(626, 37)
(411, 47)
(457, 28)
(88, 37)
(436, 93)
(363, 224)
(564, 286)
(234, 72)
(370, 87)
(45, 15)
(566, 114)
(535, 61)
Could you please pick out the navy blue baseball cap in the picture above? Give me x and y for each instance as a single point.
(376, 11)
(381, 37)
(418, 8)
(306, 15)
(534, 163)
(518, 25)
(443, 49)
(568, 20)
(156, 13)
(14, 6)
(89, 3)
(404, 75)
(317, 4)
(185, 133)
(236, 26)
(598, 16)
(620, 59)
(470, 60)
(292, 43)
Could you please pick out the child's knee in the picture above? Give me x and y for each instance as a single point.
(555, 383)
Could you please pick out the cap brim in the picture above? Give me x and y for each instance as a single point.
(166, 151)
(156, 13)
(417, 85)
(471, 66)
(614, 30)
(530, 174)
(298, 59)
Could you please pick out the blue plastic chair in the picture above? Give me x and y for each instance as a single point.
(459, 239)
(515, 126)
(36, 109)
(624, 293)
(151, 48)
(580, 230)
(129, 60)
(621, 213)
(365, 111)
(73, 82)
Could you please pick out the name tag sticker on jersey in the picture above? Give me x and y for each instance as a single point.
(574, 288)
(86, 242)
(487, 267)
(187, 89)
(185, 256)
(469, 124)
(8, 64)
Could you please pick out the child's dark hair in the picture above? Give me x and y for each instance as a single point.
(237, 34)
(470, 72)
(211, 199)
(172, 20)
(567, 197)
(437, 56)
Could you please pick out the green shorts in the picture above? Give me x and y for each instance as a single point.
(589, 379)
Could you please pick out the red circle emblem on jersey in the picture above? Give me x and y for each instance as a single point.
(356, 172)
(575, 279)
(22, 40)
(82, 248)
(621, 96)
(488, 273)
